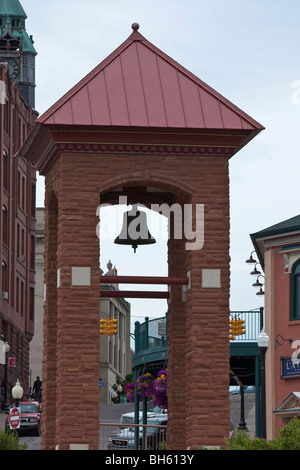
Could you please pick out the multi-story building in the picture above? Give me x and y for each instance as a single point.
(278, 251)
(36, 344)
(17, 194)
(115, 352)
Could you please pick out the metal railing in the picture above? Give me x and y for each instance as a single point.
(253, 323)
(132, 436)
(153, 333)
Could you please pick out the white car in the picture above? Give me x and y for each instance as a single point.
(125, 439)
(156, 413)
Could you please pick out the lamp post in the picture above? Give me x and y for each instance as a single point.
(6, 349)
(119, 391)
(17, 393)
(263, 341)
(242, 424)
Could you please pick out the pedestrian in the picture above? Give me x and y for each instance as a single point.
(37, 389)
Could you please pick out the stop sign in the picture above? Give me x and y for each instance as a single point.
(14, 418)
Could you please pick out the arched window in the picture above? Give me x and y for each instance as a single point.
(295, 292)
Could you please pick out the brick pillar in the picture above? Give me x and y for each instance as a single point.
(176, 351)
(50, 326)
(78, 313)
(207, 317)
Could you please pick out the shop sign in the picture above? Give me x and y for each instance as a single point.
(289, 368)
(162, 329)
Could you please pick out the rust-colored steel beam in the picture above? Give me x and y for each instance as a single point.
(179, 281)
(134, 294)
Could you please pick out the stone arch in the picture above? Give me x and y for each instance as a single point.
(177, 309)
(182, 190)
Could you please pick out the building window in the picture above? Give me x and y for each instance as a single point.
(4, 277)
(32, 252)
(5, 117)
(23, 243)
(22, 299)
(17, 295)
(5, 225)
(295, 292)
(31, 307)
(18, 241)
(33, 196)
(23, 193)
(19, 188)
(5, 171)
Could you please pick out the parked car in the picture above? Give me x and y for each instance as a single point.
(125, 439)
(154, 413)
(30, 418)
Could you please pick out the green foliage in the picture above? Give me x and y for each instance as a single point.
(289, 436)
(163, 445)
(288, 439)
(9, 441)
(241, 441)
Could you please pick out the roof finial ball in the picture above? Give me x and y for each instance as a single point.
(135, 26)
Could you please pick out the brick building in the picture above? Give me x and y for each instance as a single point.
(17, 192)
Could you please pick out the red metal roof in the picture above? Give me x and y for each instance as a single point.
(139, 85)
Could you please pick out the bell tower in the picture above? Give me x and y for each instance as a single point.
(139, 125)
(16, 48)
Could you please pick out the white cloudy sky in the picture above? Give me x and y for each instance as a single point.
(246, 50)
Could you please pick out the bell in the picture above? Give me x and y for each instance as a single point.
(134, 231)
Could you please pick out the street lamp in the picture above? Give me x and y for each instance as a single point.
(255, 271)
(17, 392)
(263, 341)
(251, 260)
(259, 284)
(6, 349)
(260, 292)
(119, 391)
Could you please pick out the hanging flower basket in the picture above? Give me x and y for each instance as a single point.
(150, 387)
(160, 389)
(145, 385)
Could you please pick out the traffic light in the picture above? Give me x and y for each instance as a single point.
(103, 326)
(112, 326)
(232, 329)
(242, 327)
(236, 328)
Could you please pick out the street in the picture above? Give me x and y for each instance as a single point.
(33, 442)
(112, 414)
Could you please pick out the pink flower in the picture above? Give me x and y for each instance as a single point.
(150, 387)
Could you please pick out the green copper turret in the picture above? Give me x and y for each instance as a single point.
(17, 49)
